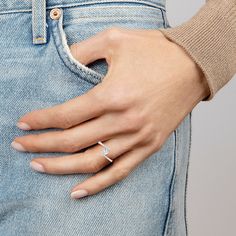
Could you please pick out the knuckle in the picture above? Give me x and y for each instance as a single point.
(147, 134)
(120, 173)
(91, 164)
(114, 101)
(31, 142)
(63, 120)
(119, 99)
(100, 185)
(68, 145)
(158, 141)
(114, 35)
(94, 166)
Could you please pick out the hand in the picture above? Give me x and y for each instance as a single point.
(151, 85)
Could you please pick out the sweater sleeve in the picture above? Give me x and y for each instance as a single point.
(209, 37)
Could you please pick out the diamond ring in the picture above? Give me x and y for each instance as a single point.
(105, 151)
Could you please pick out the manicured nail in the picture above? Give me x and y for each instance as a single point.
(24, 126)
(36, 166)
(79, 194)
(18, 146)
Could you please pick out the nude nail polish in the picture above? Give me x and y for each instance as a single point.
(79, 194)
(18, 146)
(23, 126)
(36, 166)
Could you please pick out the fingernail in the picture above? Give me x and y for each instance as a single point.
(79, 194)
(36, 166)
(18, 146)
(24, 126)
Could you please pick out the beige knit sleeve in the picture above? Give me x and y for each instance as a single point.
(209, 37)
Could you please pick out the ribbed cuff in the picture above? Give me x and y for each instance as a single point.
(209, 37)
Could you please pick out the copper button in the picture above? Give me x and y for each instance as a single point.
(55, 14)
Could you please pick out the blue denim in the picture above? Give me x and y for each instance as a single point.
(151, 201)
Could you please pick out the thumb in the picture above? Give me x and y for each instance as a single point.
(90, 50)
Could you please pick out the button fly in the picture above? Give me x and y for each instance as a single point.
(55, 14)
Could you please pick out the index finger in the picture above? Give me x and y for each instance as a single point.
(66, 115)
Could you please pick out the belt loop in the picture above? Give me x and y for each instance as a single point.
(39, 21)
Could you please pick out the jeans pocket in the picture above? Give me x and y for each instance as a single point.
(79, 23)
(60, 40)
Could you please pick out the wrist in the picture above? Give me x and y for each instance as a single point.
(200, 88)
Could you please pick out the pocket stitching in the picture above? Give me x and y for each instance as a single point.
(70, 62)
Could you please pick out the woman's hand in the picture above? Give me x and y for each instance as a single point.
(151, 85)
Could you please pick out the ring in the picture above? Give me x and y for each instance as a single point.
(105, 151)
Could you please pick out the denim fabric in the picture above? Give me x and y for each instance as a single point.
(150, 201)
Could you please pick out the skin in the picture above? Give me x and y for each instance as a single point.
(151, 85)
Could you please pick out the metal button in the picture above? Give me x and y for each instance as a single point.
(55, 14)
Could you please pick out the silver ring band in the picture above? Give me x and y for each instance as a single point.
(105, 151)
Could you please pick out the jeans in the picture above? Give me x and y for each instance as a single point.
(38, 71)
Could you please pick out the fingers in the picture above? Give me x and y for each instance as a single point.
(98, 46)
(86, 106)
(90, 50)
(111, 175)
(66, 115)
(70, 140)
(90, 161)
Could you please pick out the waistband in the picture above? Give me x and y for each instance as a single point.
(8, 6)
(39, 8)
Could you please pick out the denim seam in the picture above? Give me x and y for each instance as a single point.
(98, 19)
(72, 60)
(171, 189)
(187, 171)
(164, 19)
(157, 6)
(116, 6)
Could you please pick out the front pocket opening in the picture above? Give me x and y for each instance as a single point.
(66, 56)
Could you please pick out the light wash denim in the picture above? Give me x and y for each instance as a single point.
(38, 71)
